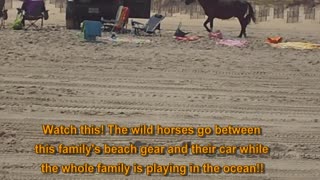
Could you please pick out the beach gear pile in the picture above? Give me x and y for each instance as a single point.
(90, 30)
(217, 36)
(183, 36)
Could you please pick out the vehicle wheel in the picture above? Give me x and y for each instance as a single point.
(72, 24)
(71, 18)
(77, 24)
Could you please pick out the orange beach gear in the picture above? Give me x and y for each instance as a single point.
(274, 40)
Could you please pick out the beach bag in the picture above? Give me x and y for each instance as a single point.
(17, 24)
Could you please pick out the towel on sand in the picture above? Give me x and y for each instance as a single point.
(232, 42)
(218, 37)
(91, 29)
(296, 45)
(126, 40)
(215, 35)
(188, 38)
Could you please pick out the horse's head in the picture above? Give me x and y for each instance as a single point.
(189, 1)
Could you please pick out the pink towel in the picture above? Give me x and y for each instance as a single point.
(232, 42)
(216, 35)
(188, 38)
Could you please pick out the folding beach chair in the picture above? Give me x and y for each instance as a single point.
(3, 14)
(106, 23)
(150, 27)
(120, 22)
(33, 11)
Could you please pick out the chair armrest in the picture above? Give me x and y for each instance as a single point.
(20, 11)
(109, 21)
(137, 25)
(136, 22)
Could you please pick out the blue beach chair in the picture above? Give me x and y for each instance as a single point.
(91, 29)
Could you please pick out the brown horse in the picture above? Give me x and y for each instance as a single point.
(226, 9)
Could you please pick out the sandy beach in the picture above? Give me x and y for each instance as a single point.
(52, 76)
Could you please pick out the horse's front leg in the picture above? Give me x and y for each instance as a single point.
(205, 24)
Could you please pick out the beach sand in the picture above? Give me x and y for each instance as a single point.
(53, 77)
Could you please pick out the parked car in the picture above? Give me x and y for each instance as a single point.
(79, 10)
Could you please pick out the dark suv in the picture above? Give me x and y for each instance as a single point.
(79, 10)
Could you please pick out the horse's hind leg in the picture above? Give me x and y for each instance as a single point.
(206, 23)
(211, 24)
(243, 24)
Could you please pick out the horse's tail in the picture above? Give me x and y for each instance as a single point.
(251, 15)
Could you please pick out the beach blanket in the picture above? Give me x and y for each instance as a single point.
(126, 40)
(296, 45)
(232, 42)
(218, 37)
(188, 38)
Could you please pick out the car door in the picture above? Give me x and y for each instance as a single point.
(138, 8)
